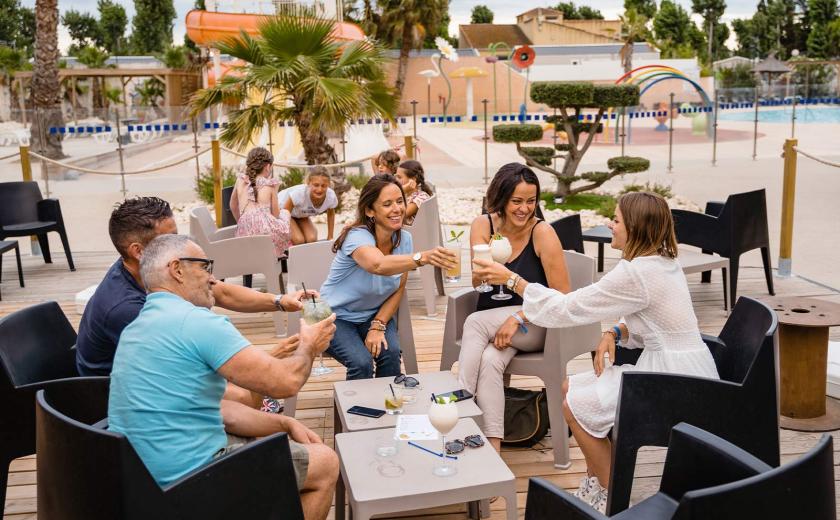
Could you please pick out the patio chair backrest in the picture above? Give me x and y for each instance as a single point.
(581, 269)
(85, 471)
(18, 202)
(202, 227)
(744, 219)
(35, 346)
(569, 232)
(425, 231)
(227, 214)
(748, 336)
(310, 264)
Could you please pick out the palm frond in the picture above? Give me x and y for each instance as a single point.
(243, 47)
(229, 90)
(245, 122)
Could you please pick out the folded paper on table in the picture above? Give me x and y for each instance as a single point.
(415, 428)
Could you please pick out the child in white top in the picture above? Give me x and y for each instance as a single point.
(309, 199)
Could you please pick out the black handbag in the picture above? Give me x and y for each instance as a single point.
(526, 417)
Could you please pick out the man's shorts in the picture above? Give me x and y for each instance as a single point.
(300, 455)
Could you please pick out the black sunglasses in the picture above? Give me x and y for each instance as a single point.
(408, 381)
(207, 264)
(457, 446)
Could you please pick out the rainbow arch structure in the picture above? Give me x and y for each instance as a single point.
(649, 75)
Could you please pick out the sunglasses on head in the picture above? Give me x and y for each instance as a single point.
(457, 446)
(408, 381)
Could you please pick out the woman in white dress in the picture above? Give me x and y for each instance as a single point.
(648, 289)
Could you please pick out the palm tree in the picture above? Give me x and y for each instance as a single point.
(46, 90)
(300, 73)
(633, 29)
(406, 22)
(94, 58)
(11, 61)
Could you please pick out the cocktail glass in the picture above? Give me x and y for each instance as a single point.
(315, 310)
(482, 252)
(444, 416)
(501, 251)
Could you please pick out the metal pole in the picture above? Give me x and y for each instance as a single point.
(554, 137)
(429, 98)
(414, 118)
(788, 197)
(120, 151)
(755, 125)
(510, 89)
(793, 117)
(343, 152)
(485, 139)
(216, 152)
(671, 136)
(622, 135)
(195, 150)
(714, 132)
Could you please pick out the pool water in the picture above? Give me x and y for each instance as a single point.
(804, 114)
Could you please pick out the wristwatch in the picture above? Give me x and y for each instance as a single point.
(512, 281)
(277, 303)
(418, 257)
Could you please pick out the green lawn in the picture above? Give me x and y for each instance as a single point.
(603, 204)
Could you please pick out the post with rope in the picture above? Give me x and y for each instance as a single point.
(216, 152)
(714, 132)
(414, 118)
(120, 152)
(788, 197)
(45, 172)
(409, 147)
(671, 135)
(195, 150)
(485, 139)
(26, 171)
(755, 125)
(793, 117)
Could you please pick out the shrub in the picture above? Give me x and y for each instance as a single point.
(517, 133)
(657, 188)
(626, 164)
(292, 177)
(358, 180)
(204, 182)
(607, 207)
(540, 154)
(579, 94)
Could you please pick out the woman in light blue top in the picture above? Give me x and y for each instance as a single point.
(367, 279)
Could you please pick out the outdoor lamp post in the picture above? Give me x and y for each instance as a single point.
(493, 48)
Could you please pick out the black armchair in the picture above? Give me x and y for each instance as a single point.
(742, 407)
(87, 472)
(569, 232)
(36, 350)
(708, 477)
(227, 214)
(736, 228)
(24, 212)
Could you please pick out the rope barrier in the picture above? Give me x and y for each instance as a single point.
(309, 166)
(9, 156)
(814, 158)
(112, 172)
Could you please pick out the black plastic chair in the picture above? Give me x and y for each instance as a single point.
(24, 212)
(36, 350)
(742, 407)
(227, 214)
(87, 472)
(569, 232)
(707, 477)
(739, 227)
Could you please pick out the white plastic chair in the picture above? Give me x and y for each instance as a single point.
(236, 256)
(310, 264)
(561, 346)
(426, 234)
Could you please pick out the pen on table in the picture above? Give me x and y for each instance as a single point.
(436, 454)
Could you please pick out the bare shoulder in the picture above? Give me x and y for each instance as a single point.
(480, 228)
(545, 236)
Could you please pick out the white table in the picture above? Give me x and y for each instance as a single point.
(693, 261)
(481, 474)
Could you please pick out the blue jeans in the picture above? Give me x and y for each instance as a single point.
(348, 347)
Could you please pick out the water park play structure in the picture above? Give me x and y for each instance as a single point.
(207, 28)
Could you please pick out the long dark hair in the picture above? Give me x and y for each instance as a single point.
(504, 183)
(414, 170)
(369, 195)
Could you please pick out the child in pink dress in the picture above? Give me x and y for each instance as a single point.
(254, 200)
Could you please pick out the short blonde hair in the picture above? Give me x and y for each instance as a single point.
(649, 224)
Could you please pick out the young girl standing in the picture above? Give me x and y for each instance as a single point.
(309, 199)
(410, 174)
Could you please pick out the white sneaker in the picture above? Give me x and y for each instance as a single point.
(599, 501)
(588, 488)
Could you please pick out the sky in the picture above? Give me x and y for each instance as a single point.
(459, 10)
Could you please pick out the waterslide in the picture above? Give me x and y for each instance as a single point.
(206, 28)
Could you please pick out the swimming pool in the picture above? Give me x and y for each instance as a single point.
(804, 114)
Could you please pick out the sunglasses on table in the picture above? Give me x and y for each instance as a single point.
(470, 441)
(408, 381)
(206, 263)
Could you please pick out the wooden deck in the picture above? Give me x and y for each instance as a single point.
(56, 282)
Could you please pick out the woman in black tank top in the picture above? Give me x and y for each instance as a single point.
(497, 330)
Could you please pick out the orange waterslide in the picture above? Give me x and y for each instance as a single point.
(205, 28)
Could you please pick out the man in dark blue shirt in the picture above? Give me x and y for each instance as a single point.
(119, 298)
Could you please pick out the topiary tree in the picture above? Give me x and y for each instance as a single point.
(570, 99)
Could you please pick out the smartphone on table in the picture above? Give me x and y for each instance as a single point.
(366, 412)
(456, 395)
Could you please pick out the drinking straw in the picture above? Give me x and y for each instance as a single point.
(305, 292)
(427, 450)
(434, 399)
(392, 390)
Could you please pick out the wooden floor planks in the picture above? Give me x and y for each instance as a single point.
(55, 282)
